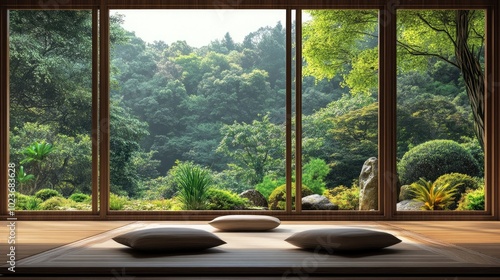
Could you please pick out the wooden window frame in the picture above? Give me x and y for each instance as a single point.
(386, 122)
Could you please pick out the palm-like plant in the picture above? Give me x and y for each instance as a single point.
(35, 154)
(193, 182)
(434, 196)
(23, 177)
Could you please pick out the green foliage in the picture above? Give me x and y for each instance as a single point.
(149, 205)
(334, 37)
(27, 202)
(434, 196)
(277, 199)
(269, 184)
(54, 203)
(435, 158)
(175, 102)
(193, 182)
(346, 198)
(45, 194)
(79, 197)
(37, 152)
(230, 179)
(71, 161)
(20, 201)
(128, 131)
(256, 149)
(159, 188)
(355, 139)
(22, 177)
(474, 148)
(314, 173)
(32, 203)
(472, 200)
(464, 182)
(344, 42)
(117, 202)
(225, 200)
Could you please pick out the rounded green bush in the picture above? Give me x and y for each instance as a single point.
(435, 158)
(277, 199)
(224, 200)
(45, 194)
(472, 200)
(79, 197)
(26, 202)
(21, 200)
(53, 203)
(464, 181)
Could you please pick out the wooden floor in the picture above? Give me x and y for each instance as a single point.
(33, 237)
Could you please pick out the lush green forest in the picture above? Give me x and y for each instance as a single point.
(217, 112)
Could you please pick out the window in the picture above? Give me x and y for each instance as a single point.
(340, 107)
(51, 108)
(440, 109)
(324, 95)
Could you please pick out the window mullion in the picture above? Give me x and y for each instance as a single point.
(288, 149)
(104, 117)
(298, 110)
(4, 108)
(387, 112)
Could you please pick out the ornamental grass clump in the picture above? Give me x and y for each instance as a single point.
(434, 196)
(193, 182)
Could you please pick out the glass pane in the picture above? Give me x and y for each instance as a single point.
(197, 110)
(440, 107)
(50, 108)
(340, 109)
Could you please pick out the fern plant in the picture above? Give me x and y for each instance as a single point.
(434, 196)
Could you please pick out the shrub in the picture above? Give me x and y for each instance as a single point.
(230, 180)
(26, 202)
(434, 197)
(79, 197)
(21, 200)
(464, 182)
(225, 200)
(472, 200)
(32, 203)
(193, 182)
(53, 203)
(314, 174)
(269, 184)
(117, 202)
(159, 188)
(148, 205)
(45, 194)
(435, 158)
(346, 198)
(277, 199)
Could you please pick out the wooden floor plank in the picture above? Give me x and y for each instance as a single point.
(480, 236)
(32, 237)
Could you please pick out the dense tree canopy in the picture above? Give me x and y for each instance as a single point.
(344, 42)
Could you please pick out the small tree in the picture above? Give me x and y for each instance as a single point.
(256, 148)
(35, 154)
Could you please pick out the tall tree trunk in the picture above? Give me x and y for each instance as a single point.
(472, 73)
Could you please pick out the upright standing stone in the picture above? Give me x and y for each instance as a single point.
(368, 184)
